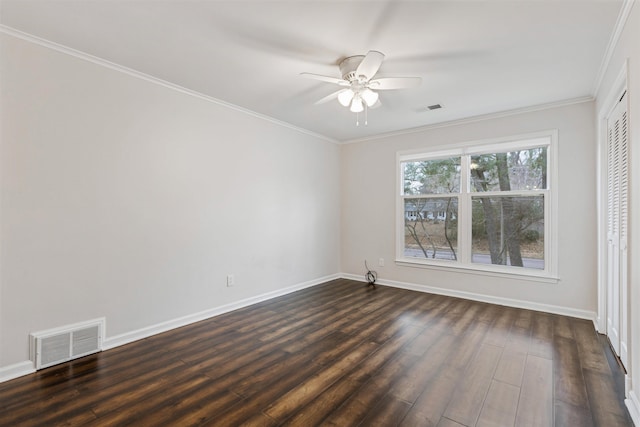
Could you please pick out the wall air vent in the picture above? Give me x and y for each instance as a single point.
(69, 342)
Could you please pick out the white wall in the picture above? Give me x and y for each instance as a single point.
(628, 49)
(368, 208)
(130, 200)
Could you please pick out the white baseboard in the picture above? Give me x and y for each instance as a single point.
(128, 337)
(633, 405)
(16, 370)
(27, 367)
(600, 324)
(547, 308)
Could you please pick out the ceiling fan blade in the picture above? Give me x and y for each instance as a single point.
(329, 97)
(328, 79)
(370, 64)
(378, 104)
(389, 83)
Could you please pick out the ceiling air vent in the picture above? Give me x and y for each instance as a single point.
(430, 108)
(69, 342)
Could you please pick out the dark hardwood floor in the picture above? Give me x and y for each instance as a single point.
(340, 354)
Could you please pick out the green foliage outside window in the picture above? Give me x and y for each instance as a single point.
(506, 206)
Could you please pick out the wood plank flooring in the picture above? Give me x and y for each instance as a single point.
(340, 354)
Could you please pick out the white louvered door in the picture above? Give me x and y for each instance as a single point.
(617, 227)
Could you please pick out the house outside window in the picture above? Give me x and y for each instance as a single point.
(488, 206)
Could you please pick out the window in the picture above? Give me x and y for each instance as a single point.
(485, 206)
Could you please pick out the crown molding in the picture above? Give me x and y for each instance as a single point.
(474, 119)
(625, 11)
(149, 78)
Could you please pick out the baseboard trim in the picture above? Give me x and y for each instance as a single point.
(128, 337)
(600, 325)
(547, 308)
(633, 405)
(16, 370)
(27, 367)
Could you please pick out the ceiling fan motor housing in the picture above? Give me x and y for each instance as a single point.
(358, 83)
(348, 67)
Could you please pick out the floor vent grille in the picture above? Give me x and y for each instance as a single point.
(69, 342)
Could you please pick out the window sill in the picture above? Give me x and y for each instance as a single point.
(484, 270)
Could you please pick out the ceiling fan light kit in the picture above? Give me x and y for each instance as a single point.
(357, 79)
(356, 105)
(345, 96)
(370, 97)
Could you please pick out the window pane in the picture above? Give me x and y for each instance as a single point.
(508, 231)
(513, 170)
(432, 176)
(431, 228)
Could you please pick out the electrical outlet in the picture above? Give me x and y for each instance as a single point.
(381, 262)
(231, 280)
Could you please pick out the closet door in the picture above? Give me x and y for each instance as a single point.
(617, 228)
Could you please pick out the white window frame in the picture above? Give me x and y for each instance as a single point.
(547, 138)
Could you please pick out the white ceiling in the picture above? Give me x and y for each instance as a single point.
(475, 57)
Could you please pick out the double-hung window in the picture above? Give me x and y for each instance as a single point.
(485, 206)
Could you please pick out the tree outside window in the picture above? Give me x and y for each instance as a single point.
(431, 229)
(483, 208)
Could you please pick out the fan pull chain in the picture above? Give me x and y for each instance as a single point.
(366, 116)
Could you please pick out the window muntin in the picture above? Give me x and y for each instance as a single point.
(513, 177)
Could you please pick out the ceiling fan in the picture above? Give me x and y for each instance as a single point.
(358, 82)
